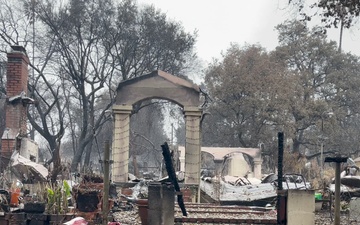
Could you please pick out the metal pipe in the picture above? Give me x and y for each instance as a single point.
(280, 159)
(280, 206)
(337, 193)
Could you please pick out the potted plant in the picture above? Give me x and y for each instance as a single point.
(57, 198)
(88, 193)
(57, 202)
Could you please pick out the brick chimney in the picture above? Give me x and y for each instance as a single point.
(15, 108)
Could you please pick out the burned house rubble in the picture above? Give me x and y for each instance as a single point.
(349, 179)
(231, 179)
(241, 191)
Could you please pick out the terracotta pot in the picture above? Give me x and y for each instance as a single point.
(143, 208)
(127, 191)
(14, 199)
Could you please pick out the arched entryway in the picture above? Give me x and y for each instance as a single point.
(160, 85)
(220, 153)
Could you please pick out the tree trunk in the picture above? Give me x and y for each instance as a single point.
(56, 162)
(77, 157)
(88, 154)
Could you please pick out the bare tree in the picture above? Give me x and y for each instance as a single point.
(89, 46)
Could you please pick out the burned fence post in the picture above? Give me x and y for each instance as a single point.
(106, 167)
(172, 176)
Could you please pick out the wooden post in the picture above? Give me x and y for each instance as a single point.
(106, 183)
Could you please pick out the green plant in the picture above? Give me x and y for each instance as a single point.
(57, 198)
(66, 193)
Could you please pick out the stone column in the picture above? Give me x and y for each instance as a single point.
(257, 168)
(120, 143)
(192, 145)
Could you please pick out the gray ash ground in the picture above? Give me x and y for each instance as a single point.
(131, 217)
(324, 218)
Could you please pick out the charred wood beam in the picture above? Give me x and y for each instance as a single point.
(172, 176)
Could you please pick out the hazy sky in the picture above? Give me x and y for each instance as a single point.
(220, 22)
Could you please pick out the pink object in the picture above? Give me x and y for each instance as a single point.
(77, 221)
(114, 223)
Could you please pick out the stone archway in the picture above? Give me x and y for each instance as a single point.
(157, 84)
(220, 153)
